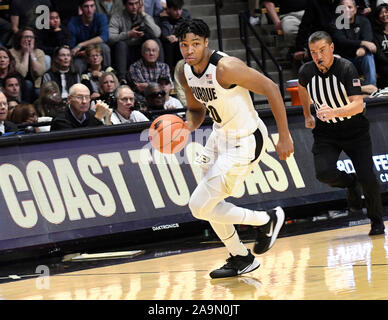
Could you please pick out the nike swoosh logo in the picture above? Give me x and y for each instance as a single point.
(243, 270)
(270, 233)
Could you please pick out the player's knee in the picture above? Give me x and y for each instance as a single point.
(195, 206)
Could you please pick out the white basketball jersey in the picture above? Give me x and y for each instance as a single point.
(231, 109)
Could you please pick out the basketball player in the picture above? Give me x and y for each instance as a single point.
(333, 85)
(219, 83)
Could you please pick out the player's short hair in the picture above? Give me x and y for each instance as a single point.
(320, 35)
(196, 26)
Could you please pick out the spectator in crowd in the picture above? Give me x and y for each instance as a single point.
(78, 113)
(127, 32)
(5, 22)
(174, 15)
(153, 7)
(56, 36)
(12, 103)
(30, 62)
(148, 68)
(155, 98)
(95, 70)
(62, 71)
(7, 65)
(125, 105)
(319, 15)
(5, 125)
(109, 7)
(23, 13)
(107, 86)
(49, 101)
(67, 9)
(365, 7)
(48, 104)
(89, 28)
(24, 114)
(380, 32)
(11, 87)
(170, 102)
(355, 42)
(289, 18)
(180, 93)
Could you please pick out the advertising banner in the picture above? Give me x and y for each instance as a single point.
(65, 190)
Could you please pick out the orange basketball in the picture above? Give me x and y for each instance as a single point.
(168, 133)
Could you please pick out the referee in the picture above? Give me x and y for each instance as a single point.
(334, 87)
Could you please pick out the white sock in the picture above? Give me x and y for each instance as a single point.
(235, 246)
(226, 212)
(255, 218)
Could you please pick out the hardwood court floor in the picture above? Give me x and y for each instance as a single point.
(338, 264)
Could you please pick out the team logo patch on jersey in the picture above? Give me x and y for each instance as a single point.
(202, 159)
(356, 83)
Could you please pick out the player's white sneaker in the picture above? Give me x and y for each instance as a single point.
(267, 234)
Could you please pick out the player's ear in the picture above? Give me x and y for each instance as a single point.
(206, 42)
(332, 47)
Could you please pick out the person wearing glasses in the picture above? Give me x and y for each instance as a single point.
(127, 31)
(155, 97)
(78, 113)
(88, 28)
(30, 62)
(96, 68)
(148, 69)
(5, 125)
(125, 112)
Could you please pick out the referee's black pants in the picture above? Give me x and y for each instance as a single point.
(358, 146)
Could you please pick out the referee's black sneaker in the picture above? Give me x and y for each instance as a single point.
(354, 196)
(236, 265)
(267, 234)
(377, 227)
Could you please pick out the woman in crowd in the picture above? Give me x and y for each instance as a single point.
(380, 30)
(7, 64)
(49, 103)
(107, 85)
(24, 114)
(30, 62)
(62, 71)
(95, 69)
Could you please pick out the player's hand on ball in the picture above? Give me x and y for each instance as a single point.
(168, 134)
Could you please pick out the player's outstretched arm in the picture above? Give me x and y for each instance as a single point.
(196, 112)
(231, 71)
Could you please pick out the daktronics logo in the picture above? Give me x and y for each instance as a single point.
(165, 226)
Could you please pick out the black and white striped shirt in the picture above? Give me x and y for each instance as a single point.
(332, 88)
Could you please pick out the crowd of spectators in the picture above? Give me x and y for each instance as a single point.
(96, 62)
(81, 63)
